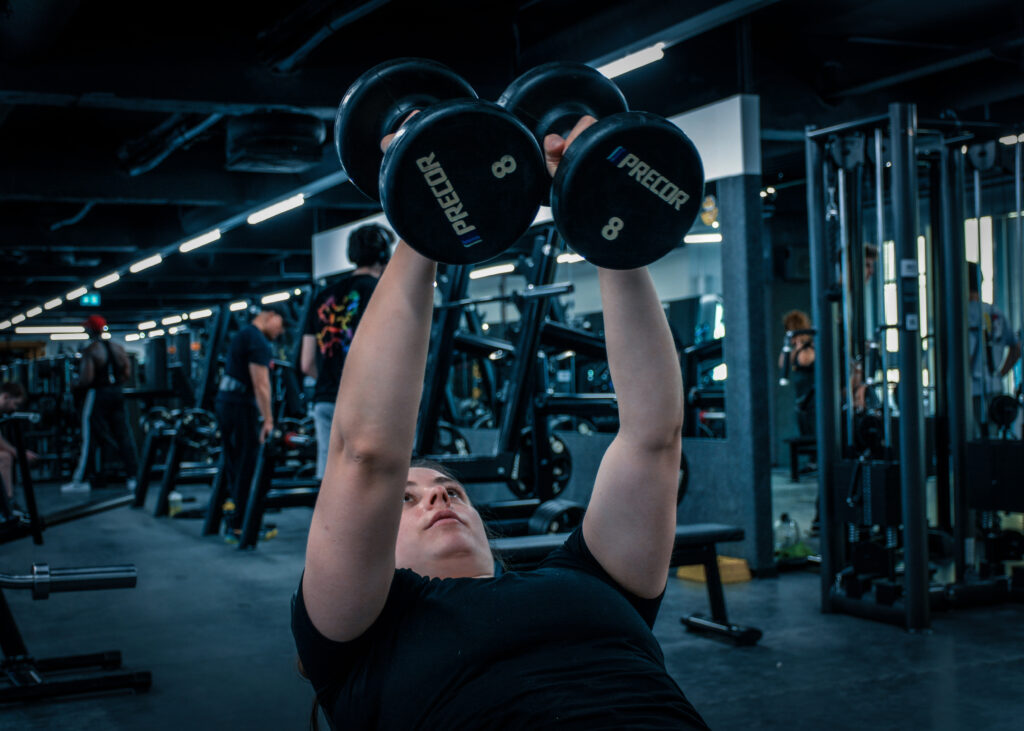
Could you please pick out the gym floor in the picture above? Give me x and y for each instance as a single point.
(212, 625)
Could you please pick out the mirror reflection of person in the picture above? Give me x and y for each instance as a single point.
(992, 348)
(12, 398)
(801, 369)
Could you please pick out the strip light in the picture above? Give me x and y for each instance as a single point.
(270, 211)
(147, 325)
(106, 336)
(5, 324)
(236, 306)
(18, 318)
(155, 333)
(53, 303)
(49, 329)
(703, 239)
(492, 271)
(151, 261)
(569, 258)
(132, 337)
(75, 294)
(172, 320)
(199, 314)
(104, 281)
(69, 336)
(207, 238)
(1012, 139)
(633, 61)
(34, 311)
(276, 297)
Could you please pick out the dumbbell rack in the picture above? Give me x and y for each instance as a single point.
(24, 678)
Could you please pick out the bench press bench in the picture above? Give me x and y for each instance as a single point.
(695, 544)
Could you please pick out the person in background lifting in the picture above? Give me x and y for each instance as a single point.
(333, 318)
(399, 619)
(12, 398)
(242, 399)
(989, 333)
(104, 369)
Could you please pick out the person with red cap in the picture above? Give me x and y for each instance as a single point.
(104, 368)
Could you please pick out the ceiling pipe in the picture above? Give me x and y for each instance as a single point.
(176, 132)
(289, 62)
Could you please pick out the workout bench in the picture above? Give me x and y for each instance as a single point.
(695, 544)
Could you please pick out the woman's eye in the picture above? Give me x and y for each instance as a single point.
(408, 498)
(452, 492)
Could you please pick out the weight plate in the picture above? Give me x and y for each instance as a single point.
(556, 516)
(462, 181)
(551, 98)
(627, 190)
(376, 104)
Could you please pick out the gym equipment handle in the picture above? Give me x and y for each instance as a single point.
(30, 416)
(43, 580)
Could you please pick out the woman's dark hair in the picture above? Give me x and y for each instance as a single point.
(369, 245)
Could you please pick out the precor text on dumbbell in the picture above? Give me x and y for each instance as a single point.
(447, 198)
(650, 178)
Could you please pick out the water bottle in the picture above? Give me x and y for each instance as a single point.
(786, 532)
(174, 500)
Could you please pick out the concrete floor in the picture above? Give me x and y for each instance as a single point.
(212, 624)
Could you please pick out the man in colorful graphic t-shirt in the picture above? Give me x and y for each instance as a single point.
(332, 323)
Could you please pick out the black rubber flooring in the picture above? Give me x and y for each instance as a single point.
(211, 623)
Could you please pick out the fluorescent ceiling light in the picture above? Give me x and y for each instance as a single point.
(155, 333)
(703, 238)
(34, 311)
(49, 329)
(297, 291)
(633, 61)
(18, 318)
(69, 336)
(720, 372)
(131, 337)
(147, 325)
(270, 211)
(5, 324)
(276, 297)
(172, 320)
(236, 306)
(151, 261)
(1011, 139)
(207, 238)
(492, 271)
(172, 331)
(53, 303)
(75, 293)
(104, 281)
(106, 336)
(569, 258)
(199, 314)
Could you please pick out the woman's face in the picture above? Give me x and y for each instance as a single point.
(441, 534)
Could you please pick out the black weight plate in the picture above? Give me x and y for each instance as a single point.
(627, 190)
(551, 98)
(377, 102)
(1002, 410)
(462, 181)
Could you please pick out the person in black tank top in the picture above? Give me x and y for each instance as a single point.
(801, 370)
(105, 368)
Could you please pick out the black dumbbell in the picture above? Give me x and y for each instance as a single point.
(629, 187)
(463, 179)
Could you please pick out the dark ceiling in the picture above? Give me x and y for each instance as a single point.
(127, 127)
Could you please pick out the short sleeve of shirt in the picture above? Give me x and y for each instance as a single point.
(312, 326)
(257, 349)
(328, 663)
(574, 554)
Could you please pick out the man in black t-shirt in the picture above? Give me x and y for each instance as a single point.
(244, 397)
(332, 323)
(104, 369)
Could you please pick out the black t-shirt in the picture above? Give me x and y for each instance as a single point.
(333, 319)
(248, 346)
(562, 645)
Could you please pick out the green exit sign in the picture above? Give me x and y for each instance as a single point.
(92, 299)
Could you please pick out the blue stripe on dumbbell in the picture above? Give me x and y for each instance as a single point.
(617, 154)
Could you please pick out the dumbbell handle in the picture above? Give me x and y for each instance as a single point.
(43, 580)
(30, 416)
